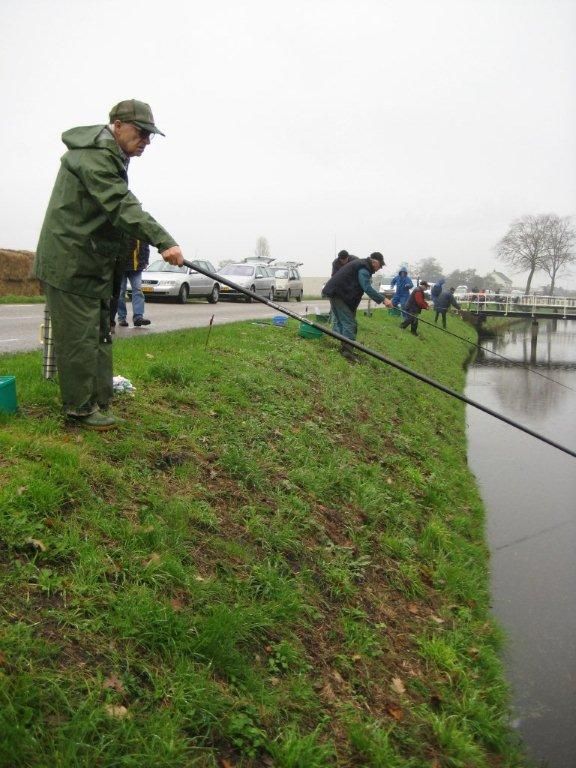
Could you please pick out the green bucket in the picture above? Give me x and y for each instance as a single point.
(8, 402)
(394, 311)
(308, 331)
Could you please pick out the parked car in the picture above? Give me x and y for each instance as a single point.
(180, 283)
(385, 287)
(254, 277)
(289, 284)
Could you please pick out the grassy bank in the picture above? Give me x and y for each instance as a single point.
(277, 561)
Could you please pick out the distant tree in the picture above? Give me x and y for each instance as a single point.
(429, 269)
(524, 245)
(225, 262)
(558, 249)
(465, 277)
(262, 250)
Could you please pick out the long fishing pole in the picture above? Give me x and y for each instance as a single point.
(484, 349)
(378, 356)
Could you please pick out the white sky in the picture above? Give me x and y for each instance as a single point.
(414, 127)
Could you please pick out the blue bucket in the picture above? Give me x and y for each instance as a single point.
(279, 320)
(8, 401)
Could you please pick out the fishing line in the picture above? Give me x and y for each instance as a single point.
(485, 349)
(382, 358)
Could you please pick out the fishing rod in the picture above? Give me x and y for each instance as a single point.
(382, 358)
(484, 349)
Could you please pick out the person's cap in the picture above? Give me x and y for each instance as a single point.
(379, 258)
(343, 255)
(137, 112)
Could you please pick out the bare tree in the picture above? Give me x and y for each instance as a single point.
(558, 253)
(524, 245)
(262, 250)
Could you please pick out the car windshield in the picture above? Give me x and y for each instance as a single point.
(281, 273)
(237, 269)
(164, 266)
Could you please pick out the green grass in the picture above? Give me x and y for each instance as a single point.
(278, 560)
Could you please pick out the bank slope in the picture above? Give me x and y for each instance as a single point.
(278, 561)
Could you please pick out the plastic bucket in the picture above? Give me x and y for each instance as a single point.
(8, 401)
(309, 332)
(279, 320)
(394, 311)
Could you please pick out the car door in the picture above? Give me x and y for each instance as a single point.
(262, 281)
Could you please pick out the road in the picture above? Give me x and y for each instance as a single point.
(20, 323)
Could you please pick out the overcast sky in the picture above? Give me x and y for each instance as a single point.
(417, 128)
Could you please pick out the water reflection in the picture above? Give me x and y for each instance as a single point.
(529, 490)
(536, 362)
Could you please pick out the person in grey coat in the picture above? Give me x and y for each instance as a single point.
(443, 303)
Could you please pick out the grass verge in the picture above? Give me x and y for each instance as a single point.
(279, 560)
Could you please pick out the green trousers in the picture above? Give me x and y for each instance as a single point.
(83, 350)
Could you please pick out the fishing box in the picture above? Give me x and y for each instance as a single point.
(8, 401)
(309, 332)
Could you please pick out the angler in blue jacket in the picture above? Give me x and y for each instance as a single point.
(402, 285)
(345, 290)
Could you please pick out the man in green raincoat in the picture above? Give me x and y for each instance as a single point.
(91, 218)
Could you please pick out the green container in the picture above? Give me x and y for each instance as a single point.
(309, 332)
(394, 312)
(8, 402)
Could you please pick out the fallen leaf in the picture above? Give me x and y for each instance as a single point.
(397, 685)
(37, 544)
(437, 619)
(114, 684)
(396, 712)
(117, 710)
(21, 490)
(149, 356)
(177, 604)
(154, 559)
(225, 763)
(328, 693)
(412, 608)
(337, 676)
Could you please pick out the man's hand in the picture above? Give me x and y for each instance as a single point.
(173, 256)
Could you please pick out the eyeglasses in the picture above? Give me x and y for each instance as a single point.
(143, 133)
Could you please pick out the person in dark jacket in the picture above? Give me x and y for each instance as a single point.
(443, 303)
(437, 289)
(90, 218)
(345, 290)
(415, 304)
(138, 261)
(402, 285)
(343, 258)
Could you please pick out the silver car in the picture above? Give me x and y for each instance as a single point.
(164, 279)
(254, 277)
(289, 283)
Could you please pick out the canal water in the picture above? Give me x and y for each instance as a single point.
(529, 490)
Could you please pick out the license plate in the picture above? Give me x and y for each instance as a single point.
(147, 289)
(225, 288)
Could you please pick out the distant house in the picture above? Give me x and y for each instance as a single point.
(499, 281)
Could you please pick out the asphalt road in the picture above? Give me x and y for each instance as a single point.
(20, 323)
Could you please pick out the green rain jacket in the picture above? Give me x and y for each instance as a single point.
(91, 217)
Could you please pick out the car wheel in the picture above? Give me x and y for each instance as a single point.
(299, 297)
(215, 295)
(288, 295)
(249, 299)
(183, 294)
